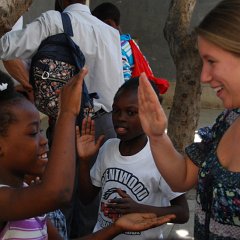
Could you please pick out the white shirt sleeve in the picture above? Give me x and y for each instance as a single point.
(24, 43)
(18, 25)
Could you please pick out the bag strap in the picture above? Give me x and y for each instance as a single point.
(88, 98)
(67, 25)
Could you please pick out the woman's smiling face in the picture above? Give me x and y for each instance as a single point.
(221, 70)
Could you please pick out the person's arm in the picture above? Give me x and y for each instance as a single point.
(24, 43)
(87, 148)
(126, 204)
(179, 206)
(179, 171)
(56, 186)
(129, 222)
(17, 69)
(53, 233)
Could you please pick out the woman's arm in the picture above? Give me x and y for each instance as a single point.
(179, 171)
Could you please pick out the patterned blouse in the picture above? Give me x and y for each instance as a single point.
(217, 213)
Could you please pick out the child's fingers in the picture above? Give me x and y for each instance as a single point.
(84, 124)
(77, 132)
(88, 126)
(78, 78)
(122, 193)
(92, 126)
(70, 94)
(165, 219)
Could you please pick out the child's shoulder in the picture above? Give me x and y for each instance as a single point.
(111, 142)
(110, 145)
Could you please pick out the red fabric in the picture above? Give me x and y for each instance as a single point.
(141, 65)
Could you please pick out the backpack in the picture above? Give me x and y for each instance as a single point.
(57, 59)
(141, 65)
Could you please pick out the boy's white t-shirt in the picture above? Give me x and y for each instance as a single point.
(138, 176)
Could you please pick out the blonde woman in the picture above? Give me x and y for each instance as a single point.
(214, 164)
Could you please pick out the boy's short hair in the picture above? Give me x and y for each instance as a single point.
(133, 84)
(107, 10)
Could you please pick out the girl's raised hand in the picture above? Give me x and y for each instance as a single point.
(71, 94)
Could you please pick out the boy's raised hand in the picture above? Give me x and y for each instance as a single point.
(87, 147)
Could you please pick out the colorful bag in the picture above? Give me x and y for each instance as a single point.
(58, 59)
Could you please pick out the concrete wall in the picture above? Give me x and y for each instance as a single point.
(144, 20)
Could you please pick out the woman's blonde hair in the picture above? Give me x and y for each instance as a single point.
(221, 26)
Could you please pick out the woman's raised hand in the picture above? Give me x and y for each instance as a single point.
(151, 113)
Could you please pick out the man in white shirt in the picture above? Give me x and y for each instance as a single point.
(99, 43)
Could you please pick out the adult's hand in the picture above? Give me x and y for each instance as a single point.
(151, 113)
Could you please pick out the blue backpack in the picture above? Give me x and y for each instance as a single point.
(58, 59)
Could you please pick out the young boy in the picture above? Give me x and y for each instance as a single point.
(110, 14)
(125, 170)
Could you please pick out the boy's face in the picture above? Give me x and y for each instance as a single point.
(125, 115)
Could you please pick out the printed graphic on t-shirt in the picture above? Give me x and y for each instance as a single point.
(130, 184)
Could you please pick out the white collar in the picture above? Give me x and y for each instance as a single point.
(77, 7)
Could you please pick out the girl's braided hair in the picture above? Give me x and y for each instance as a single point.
(8, 98)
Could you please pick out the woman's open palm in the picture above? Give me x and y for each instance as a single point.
(151, 113)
